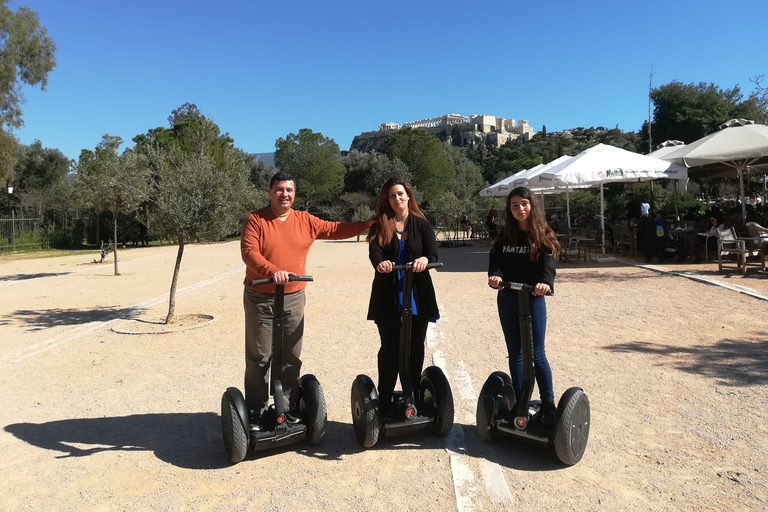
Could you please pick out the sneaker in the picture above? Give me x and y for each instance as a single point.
(292, 418)
(254, 422)
(548, 412)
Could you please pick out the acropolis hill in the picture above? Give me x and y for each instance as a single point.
(459, 130)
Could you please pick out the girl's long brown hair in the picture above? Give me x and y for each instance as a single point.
(384, 228)
(540, 235)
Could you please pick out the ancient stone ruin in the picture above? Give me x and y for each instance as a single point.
(459, 130)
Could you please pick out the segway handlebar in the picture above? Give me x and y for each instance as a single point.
(269, 280)
(521, 286)
(429, 266)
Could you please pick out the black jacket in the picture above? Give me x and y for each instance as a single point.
(510, 261)
(420, 242)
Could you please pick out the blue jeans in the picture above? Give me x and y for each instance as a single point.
(507, 301)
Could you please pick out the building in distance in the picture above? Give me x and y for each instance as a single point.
(459, 130)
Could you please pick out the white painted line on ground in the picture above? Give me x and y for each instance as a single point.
(495, 484)
(464, 486)
(464, 383)
(42, 346)
(695, 276)
(463, 483)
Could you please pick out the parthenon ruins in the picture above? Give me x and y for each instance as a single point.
(459, 129)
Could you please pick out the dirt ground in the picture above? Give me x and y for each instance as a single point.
(675, 368)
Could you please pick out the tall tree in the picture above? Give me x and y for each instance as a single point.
(107, 181)
(367, 172)
(760, 98)
(259, 171)
(469, 176)
(9, 154)
(313, 160)
(26, 57)
(688, 112)
(40, 178)
(425, 157)
(201, 191)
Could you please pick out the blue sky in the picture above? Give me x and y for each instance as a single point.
(262, 70)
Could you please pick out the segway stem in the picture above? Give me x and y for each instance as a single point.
(405, 336)
(278, 324)
(522, 408)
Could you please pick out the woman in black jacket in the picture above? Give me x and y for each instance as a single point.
(400, 235)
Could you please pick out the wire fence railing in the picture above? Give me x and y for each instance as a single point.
(22, 233)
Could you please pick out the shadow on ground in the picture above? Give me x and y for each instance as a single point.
(46, 318)
(186, 440)
(25, 277)
(182, 439)
(733, 362)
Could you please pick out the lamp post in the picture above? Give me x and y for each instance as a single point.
(10, 210)
(10, 191)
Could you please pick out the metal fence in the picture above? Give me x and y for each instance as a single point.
(22, 233)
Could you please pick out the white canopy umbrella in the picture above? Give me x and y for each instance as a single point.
(738, 145)
(603, 164)
(502, 188)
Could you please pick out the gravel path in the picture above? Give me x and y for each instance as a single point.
(675, 370)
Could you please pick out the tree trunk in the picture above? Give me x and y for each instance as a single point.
(114, 245)
(172, 300)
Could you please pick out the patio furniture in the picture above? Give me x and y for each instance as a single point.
(728, 244)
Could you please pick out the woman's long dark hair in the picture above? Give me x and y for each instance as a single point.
(384, 228)
(540, 235)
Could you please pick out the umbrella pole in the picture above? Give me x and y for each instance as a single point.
(743, 199)
(568, 206)
(602, 217)
(674, 189)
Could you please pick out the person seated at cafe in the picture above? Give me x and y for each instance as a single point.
(554, 222)
(708, 235)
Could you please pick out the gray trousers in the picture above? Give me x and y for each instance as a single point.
(259, 313)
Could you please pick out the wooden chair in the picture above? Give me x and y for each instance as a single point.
(625, 241)
(728, 244)
(588, 246)
(757, 244)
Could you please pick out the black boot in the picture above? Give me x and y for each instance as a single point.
(548, 412)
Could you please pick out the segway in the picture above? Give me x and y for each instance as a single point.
(435, 400)
(276, 430)
(501, 414)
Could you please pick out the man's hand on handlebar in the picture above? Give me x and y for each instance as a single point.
(281, 276)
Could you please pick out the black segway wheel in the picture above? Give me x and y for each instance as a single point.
(366, 416)
(572, 426)
(486, 405)
(234, 426)
(435, 389)
(312, 407)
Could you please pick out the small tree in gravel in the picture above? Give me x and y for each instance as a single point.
(202, 192)
(110, 182)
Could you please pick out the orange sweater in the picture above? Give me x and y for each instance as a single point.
(268, 244)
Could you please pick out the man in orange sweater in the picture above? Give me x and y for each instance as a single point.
(274, 243)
